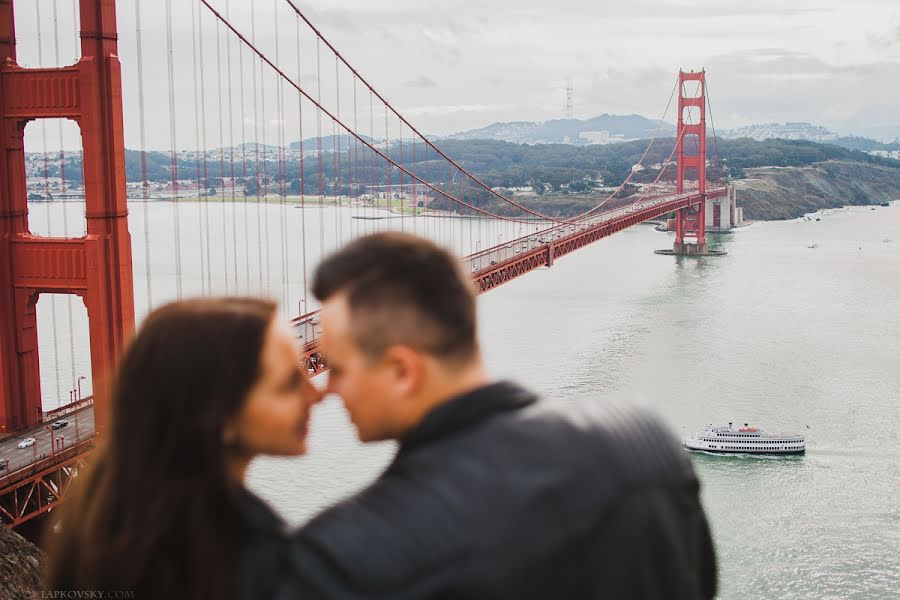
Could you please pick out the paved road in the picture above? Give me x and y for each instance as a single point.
(497, 254)
(81, 426)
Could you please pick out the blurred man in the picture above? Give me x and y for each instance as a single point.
(493, 493)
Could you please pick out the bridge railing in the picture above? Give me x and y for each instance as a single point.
(62, 411)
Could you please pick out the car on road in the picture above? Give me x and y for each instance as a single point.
(26, 442)
(59, 424)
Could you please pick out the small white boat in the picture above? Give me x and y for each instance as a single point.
(744, 440)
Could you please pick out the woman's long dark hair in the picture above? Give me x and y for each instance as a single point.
(156, 512)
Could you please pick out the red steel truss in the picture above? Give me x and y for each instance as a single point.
(30, 492)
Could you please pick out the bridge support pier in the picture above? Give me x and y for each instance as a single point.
(683, 248)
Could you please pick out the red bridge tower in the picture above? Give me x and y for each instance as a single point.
(96, 267)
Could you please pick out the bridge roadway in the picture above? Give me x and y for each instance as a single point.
(80, 427)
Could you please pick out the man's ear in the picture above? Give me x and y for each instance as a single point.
(407, 366)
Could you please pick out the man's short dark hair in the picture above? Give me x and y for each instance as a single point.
(402, 289)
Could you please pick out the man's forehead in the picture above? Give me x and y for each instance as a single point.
(335, 314)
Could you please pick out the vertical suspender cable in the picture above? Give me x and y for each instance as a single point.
(264, 207)
(374, 182)
(302, 175)
(244, 172)
(196, 80)
(319, 147)
(349, 185)
(356, 150)
(259, 183)
(335, 152)
(222, 199)
(206, 186)
(387, 163)
(172, 138)
(227, 67)
(143, 141)
(62, 175)
(285, 274)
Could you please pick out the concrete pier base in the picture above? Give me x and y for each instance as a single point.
(690, 250)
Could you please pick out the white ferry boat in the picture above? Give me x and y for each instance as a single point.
(744, 440)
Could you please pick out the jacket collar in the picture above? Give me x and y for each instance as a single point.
(257, 513)
(466, 410)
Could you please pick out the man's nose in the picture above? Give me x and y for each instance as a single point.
(330, 387)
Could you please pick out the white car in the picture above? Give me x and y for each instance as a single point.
(26, 442)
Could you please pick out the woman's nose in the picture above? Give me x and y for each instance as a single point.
(313, 394)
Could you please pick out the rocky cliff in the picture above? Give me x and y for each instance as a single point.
(20, 562)
(771, 193)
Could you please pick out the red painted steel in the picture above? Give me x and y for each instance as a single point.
(96, 267)
(691, 221)
(500, 273)
(36, 489)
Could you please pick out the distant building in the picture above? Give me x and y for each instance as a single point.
(894, 154)
(602, 137)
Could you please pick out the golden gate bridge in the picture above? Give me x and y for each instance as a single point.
(216, 199)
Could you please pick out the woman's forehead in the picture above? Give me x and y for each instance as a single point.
(280, 347)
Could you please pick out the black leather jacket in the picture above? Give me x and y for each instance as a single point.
(496, 495)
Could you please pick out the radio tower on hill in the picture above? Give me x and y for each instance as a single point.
(569, 90)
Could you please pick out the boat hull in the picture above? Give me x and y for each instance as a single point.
(750, 452)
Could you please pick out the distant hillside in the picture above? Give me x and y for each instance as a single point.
(328, 143)
(612, 129)
(806, 132)
(604, 129)
(556, 166)
(776, 178)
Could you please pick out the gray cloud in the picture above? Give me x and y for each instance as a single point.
(422, 81)
(464, 64)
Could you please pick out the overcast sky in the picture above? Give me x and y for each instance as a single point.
(451, 66)
(467, 63)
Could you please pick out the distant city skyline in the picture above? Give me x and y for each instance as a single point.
(467, 64)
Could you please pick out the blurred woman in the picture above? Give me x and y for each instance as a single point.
(205, 386)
